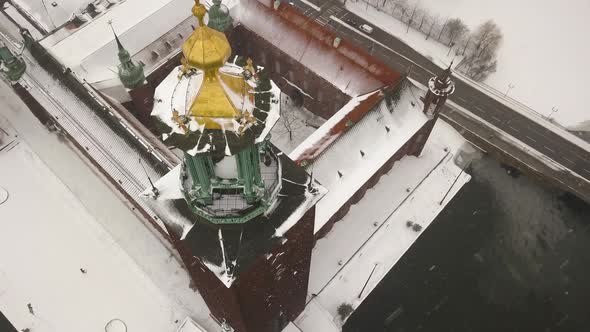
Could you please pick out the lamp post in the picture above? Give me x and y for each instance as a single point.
(510, 87)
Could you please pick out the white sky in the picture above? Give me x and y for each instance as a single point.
(544, 51)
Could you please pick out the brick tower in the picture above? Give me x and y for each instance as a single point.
(440, 88)
(242, 212)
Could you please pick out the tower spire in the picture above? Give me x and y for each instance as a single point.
(130, 73)
(119, 45)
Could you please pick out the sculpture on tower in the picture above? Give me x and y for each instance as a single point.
(237, 199)
(219, 17)
(13, 67)
(439, 88)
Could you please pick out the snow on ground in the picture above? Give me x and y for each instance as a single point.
(375, 234)
(50, 16)
(82, 189)
(438, 53)
(543, 54)
(432, 49)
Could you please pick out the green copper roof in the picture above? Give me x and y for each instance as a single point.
(14, 67)
(130, 73)
(219, 17)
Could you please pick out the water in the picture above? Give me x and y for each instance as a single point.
(507, 254)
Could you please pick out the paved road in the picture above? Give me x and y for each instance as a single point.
(401, 57)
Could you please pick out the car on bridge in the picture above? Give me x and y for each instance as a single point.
(366, 28)
(351, 21)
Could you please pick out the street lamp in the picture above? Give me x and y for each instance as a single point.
(510, 87)
(553, 110)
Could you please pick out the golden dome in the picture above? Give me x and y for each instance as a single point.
(206, 48)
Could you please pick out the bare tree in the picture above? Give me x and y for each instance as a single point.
(412, 15)
(487, 38)
(466, 44)
(434, 21)
(402, 4)
(481, 68)
(442, 29)
(455, 30)
(423, 14)
(480, 63)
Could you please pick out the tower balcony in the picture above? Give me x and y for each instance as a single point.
(225, 197)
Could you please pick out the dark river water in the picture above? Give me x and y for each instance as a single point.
(507, 254)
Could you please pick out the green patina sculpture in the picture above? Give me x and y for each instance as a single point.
(13, 66)
(219, 17)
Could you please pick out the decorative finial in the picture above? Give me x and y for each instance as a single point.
(119, 45)
(199, 11)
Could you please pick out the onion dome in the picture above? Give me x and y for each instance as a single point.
(206, 48)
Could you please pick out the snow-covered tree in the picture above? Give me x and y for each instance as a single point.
(412, 14)
(481, 62)
(487, 38)
(434, 21)
(456, 29)
(401, 6)
(423, 16)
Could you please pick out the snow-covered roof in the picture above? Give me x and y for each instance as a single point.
(336, 126)
(190, 325)
(315, 318)
(310, 44)
(91, 50)
(62, 253)
(362, 248)
(350, 156)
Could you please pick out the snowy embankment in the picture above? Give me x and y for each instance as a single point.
(432, 49)
(346, 266)
(440, 55)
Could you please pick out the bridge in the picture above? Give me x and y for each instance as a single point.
(496, 124)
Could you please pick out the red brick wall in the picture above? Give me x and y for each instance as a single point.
(325, 98)
(422, 136)
(273, 284)
(143, 102)
(157, 76)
